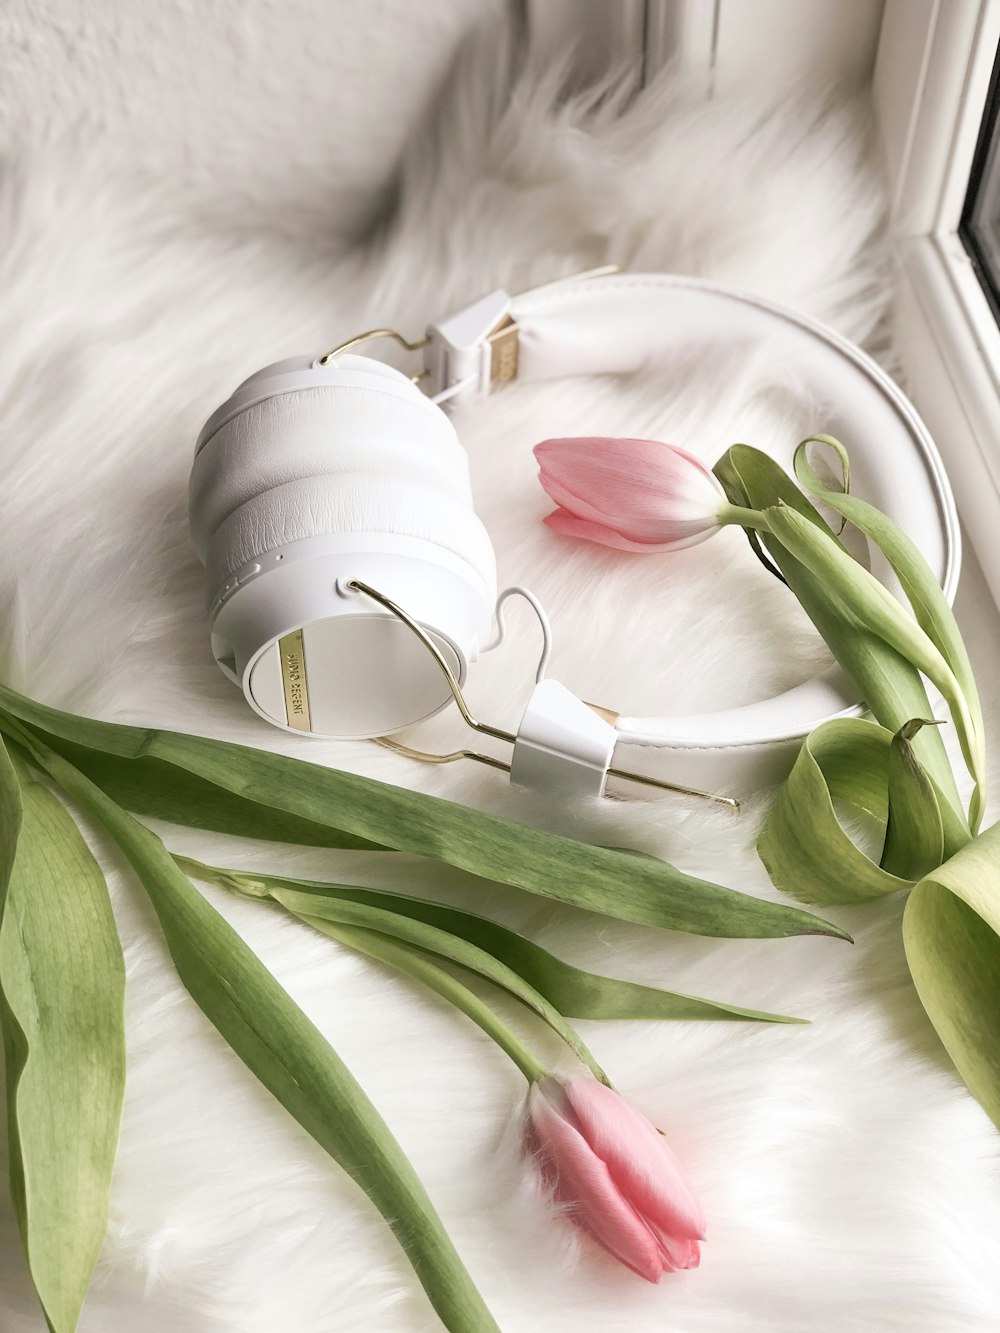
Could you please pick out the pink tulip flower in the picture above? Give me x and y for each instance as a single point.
(635, 495)
(616, 1174)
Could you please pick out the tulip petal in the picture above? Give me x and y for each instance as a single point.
(647, 490)
(677, 1255)
(568, 499)
(562, 521)
(641, 1162)
(584, 1184)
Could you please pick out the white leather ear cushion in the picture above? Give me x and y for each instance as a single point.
(323, 431)
(348, 502)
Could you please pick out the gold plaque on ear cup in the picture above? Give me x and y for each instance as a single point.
(348, 677)
(291, 652)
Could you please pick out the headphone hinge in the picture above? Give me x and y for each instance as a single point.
(470, 351)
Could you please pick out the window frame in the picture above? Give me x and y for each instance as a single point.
(984, 188)
(930, 89)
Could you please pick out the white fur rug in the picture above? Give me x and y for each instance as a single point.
(850, 1182)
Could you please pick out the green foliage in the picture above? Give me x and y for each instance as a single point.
(893, 773)
(360, 812)
(890, 684)
(545, 983)
(61, 972)
(285, 1051)
(951, 932)
(60, 958)
(62, 986)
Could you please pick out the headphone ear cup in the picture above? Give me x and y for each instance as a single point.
(351, 422)
(349, 503)
(308, 479)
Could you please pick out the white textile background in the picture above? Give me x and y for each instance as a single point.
(850, 1182)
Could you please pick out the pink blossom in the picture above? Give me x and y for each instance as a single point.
(616, 1174)
(635, 495)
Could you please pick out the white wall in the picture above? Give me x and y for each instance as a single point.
(314, 97)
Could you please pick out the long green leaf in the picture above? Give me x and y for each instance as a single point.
(642, 890)
(62, 979)
(890, 685)
(279, 1044)
(951, 932)
(573, 991)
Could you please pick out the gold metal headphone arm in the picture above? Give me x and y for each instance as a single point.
(427, 757)
(371, 336)
(503, 339)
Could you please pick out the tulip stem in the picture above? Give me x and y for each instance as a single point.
(746, 518)
(423, 968)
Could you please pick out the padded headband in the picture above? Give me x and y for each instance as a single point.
(623, 323)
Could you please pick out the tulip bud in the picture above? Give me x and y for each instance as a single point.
(616, 1174)
(635, 495)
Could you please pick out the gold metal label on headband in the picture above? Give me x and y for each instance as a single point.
(608, 714)
(504, 343)
(291, 651)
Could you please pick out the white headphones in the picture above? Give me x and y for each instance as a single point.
(349, 576)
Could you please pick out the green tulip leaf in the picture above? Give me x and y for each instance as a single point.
(362, 812)
(10, 818)
(951, 933)
(807, 851)
(754, 480)
(914, 835)
(860, 595)
(62, 987)
(889, 683)
(285, 1051)
(432, 940)
(426, 969)
(918, 580)
(572, 991)
(920, 586)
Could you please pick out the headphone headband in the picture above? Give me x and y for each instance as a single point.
(618, 324)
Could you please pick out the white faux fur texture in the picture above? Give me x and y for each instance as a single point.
(850, 1182)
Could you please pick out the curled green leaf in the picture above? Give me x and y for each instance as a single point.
(914, 834)
(951, 933)
(806, 849)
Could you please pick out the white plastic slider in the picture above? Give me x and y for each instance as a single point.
(562, 746)
(458, 357)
